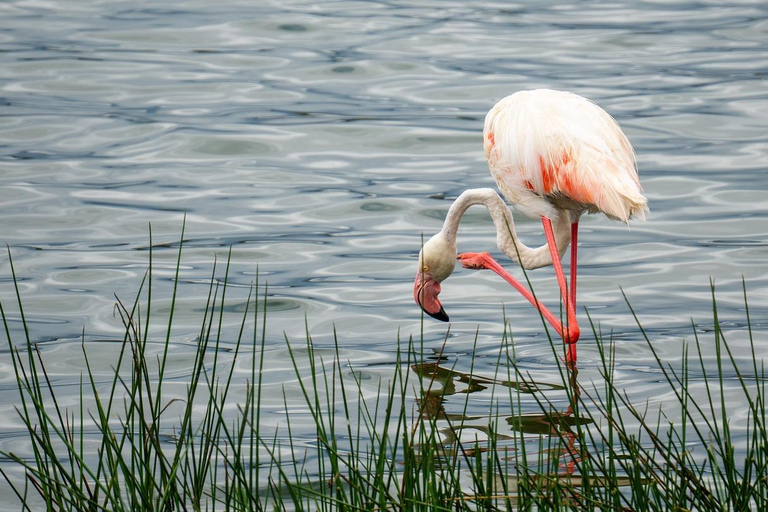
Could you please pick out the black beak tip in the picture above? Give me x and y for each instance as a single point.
(440, 315)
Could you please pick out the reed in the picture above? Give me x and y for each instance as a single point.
(138, 443)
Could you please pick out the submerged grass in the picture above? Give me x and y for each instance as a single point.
(137, 443)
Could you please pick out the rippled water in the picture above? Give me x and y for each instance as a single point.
(321, 140)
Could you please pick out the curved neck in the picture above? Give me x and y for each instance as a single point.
(506, 237)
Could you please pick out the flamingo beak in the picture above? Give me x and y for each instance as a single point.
(425, 292)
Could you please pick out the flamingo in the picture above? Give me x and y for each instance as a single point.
(554, 155)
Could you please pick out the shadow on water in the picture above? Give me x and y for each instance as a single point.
(553, 434)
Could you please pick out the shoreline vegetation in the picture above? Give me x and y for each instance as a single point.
(142, 440)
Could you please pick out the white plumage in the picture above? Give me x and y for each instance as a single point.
(551, 150)
(554, 155)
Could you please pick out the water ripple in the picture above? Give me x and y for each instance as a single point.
(322, 140)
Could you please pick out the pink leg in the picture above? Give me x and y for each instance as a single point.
(572, 332)
(483, 260)
(574, 248)
(556, 260)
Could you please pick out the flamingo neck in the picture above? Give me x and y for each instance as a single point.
(506, 237)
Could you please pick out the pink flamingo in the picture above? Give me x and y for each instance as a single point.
(554, 155)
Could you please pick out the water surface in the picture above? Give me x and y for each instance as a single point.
(321, 140)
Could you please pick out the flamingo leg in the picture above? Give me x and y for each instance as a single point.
(571, 333)
(574, 248)
(549, 233)
(483, 260)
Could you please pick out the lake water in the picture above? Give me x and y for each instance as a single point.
(320, 140)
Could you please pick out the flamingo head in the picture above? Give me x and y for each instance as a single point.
(436, 261)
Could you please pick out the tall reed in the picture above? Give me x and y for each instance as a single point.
(137, 443)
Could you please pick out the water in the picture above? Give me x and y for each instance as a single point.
(320, 140)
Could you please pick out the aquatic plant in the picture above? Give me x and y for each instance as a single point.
(136, 442)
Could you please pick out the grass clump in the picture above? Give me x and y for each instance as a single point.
(144, 440)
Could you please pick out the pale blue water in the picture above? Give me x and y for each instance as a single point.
(320, 140)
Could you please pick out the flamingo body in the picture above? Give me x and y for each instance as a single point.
(554, 155)
(554, 150)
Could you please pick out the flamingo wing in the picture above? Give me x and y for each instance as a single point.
(547, 147)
